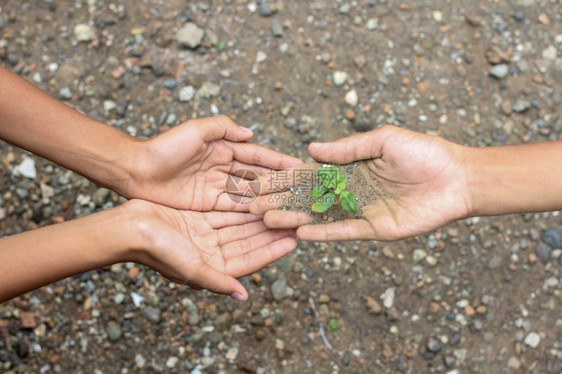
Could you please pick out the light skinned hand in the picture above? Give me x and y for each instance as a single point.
(423, 177)
(187, 167)
(206, 250)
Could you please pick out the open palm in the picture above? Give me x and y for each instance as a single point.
(208, 250)
(422, 176)
(188, 166)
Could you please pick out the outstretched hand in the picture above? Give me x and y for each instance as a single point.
(422, 176)
(206, 250)
(187, 167)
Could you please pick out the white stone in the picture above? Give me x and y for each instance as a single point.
(231, 354)
(85, 33)
(109, 105)
(261, 56)
(388, 301)
(351, 98)
(137, 299)
(27, 168)
(172, 362)
(186, 94)
(437, 16)
(190, 35)
(532, 339)
(550, 53)
(340, 77)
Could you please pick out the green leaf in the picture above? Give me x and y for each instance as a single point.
(324, 203)
(340, 188)
(221, 46)
(328, 176)
(348, 201)
(333, 325)
(318, 191)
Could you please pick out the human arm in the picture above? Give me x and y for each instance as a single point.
(430, 182)
(173, 168)
(202, 250)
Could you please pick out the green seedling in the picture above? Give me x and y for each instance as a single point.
(331, 190)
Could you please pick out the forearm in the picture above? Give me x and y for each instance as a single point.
(515, 179)
(42, 256)
(33, 120)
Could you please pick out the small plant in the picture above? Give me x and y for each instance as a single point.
(333, 325)
(330, 190)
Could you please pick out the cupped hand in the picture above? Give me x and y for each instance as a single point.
(188, 166)
(205, 250)
(423, 178)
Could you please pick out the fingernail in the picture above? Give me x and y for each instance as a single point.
(247, 130)
(237, 296)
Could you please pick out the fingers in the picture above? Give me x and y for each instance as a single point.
(215, 281)
(284, 219)
(343, 230)
(221, 127)
(218, 220)
(355, 148)
(252, 261)
(255, 242)
(260, 156)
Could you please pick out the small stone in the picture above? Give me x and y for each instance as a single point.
(494, 262)
(137, 299)
(419, 254)
(109, 105)
(190, 36)
(346, 358)
(172, 362)
(170, 84)
(532, 339)
(186, 93)
(344, 8)
(27, 168)
(100, 196)
(499, 71)
(513, 363)
(431, 260)
(372, 306)
(65, 94)
(261, 56)
(113, 332)
(550, 53)
(351, 98)
(360, 61)
(387, 252)
(27, 320)
(152, 314)
(519, 16)
(543, 252)
(372, 24)
(208, 90)
(231, 354)
(279, 288)
(521, 106)
(140, 360)
(361, 122)
(276, 28)
(85, 33)
(340, 77)
(552, 238)
(3, 22)
(388, 300)
(543, 18)
(119, 298)
(433, 345)
(437, 16)
(265, 9)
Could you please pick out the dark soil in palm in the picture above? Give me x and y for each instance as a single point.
(360, 181)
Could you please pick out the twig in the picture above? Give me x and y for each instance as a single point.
(320, 324)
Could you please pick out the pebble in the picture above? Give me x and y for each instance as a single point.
(65, 94)
(3, 22)
(552, 238)
(265, 9)
(437, 16)
(137, 299)
(373, 306)
(170, 84)
(521, 106)
(109, 105)
(276, 28)
(499, 71)
(208, 90)
(231, 354)
(550, 53)
(340, 77)
(119, 298)
(114, 332)
(186, 93)
(190, 35)
(152, 314)
(261, 56)
(279, 288)
(27, 168)
(532, 339)
(140, 360)
(372, 24)
(84, 33)
(172, 362)
(513, 363)
(351, 98)
(419, 254)
(388, 300)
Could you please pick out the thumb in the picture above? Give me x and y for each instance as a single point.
(215, 281)
(222, 127)
(354, 148)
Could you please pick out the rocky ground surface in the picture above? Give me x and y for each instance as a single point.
(479, 296)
